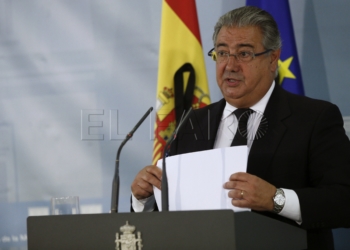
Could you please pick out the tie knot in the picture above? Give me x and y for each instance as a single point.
(243, 112)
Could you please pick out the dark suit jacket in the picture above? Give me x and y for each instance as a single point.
(305, 149)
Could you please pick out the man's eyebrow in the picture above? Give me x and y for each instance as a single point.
(221, 45)
(239, 45)
(245, 45)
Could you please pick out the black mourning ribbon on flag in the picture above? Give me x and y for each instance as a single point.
(241, 135)
(183, 99)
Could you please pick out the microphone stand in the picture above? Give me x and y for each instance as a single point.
(115, 184)
(165, 189)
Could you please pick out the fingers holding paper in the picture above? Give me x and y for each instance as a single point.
(142, 186)
(250, 191)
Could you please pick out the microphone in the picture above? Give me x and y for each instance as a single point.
(115, 184)
(165, 189)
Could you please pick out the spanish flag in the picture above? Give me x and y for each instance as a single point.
(182, 79)
(289, 73)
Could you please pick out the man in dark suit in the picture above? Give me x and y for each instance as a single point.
(299, 168)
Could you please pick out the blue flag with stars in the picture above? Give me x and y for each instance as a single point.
(289, 74)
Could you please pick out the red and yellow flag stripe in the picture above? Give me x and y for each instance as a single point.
(180, 43)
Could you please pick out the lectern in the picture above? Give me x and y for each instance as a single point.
(214, 229)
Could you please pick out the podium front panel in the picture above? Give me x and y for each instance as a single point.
(159, 230)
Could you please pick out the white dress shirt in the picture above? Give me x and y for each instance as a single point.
(225, 135)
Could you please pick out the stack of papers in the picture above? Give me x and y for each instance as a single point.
(196, 180)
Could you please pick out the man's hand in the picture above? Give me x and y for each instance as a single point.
(250, 191)
(142, 186)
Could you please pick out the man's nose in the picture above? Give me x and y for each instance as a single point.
(232, 63)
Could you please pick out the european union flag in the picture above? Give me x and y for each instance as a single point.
(289, 74)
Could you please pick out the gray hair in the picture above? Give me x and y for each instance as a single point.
(252, 16)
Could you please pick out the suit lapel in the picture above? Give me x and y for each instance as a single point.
(210, 127)
(263, 149)
(215, 119)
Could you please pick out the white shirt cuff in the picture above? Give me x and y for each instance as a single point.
(143, 205)
(291, 209)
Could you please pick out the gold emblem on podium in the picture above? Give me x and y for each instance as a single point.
(128, 240)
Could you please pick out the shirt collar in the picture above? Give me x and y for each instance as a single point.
(259, 106)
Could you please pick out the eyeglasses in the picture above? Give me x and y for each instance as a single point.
(222, 56)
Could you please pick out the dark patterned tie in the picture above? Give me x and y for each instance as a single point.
(241, 132)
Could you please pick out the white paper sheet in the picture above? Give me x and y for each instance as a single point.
(196, 180)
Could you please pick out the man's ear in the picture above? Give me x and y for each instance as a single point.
(275, 56)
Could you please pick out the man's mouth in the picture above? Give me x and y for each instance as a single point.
(232, 81)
